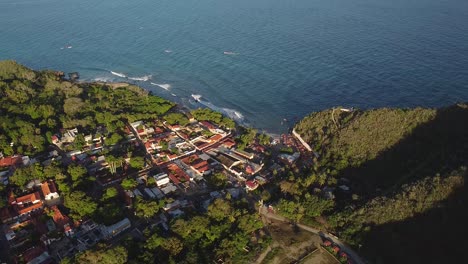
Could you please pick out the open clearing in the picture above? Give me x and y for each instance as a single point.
(291, 244)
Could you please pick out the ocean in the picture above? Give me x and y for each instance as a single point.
(265, 63)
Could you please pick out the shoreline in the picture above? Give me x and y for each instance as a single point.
(180, 103)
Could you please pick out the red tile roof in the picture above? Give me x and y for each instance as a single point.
(216, 138)
(252, 185)
(45, 189)
(24, 210)
(29, 198)
(60, 219)
(229, 143)
(176, 174)
(10, 161)
(208, 125)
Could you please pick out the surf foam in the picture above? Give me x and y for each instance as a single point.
(231, 113)
(118, 74)
(165, 86)
(142, 78)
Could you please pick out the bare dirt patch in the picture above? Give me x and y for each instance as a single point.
(290, 244)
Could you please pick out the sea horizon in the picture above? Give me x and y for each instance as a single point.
(266, 64)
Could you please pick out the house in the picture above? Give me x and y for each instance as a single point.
(168, 188)
(49, 191)
(251, 185)
(109, 232)
(28, 203)
(208, 125)
(161, 179)
(215, 138)
(244, 154)
(176, 174)
(62, 222)
(336, 249)
(327, 243)
(229, 143)
(37, 255)
(11, 161)
(197, 164)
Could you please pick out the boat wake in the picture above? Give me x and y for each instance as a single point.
(231, 113)
(165, 86)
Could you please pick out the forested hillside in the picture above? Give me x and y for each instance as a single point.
(35, 105)
(407, 168)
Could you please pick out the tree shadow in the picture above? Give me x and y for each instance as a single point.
(437, 146)
(440, 234)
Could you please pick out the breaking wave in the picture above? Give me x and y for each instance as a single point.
(142, 78)
(165, 86)
(119, 74)
(231, 113)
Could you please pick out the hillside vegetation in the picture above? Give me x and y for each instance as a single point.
(409, 167)
(36, 104)
(382, 148)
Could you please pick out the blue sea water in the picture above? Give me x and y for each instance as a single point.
(284, 58)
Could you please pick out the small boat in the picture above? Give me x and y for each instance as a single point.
(168, 51)
(229, 53)
(69, 46)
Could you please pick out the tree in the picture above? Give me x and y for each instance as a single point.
(220, 210)
(291, 209)
(113, 139)
(23, 175)
(173, 245)
(80, 204)
(154, 241)
(114, 163)
(264, 139)
(218, 179)
(176, 118)
(137, 162)
(249, 223)
(146, 209)
(129, 184)
(52, 171)
(110, 193)
(315, 206)
(103, 255)
(76, 172)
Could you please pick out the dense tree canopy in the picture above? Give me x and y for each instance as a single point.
(80, 204)
(34, 104)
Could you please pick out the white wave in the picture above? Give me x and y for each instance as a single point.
(118, 74)
(168, 51)
(165, 86)
(231, 113)
(197, 97)
(142, 78)
(103, 79)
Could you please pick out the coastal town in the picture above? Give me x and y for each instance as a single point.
(149, 180)
(177, 165)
